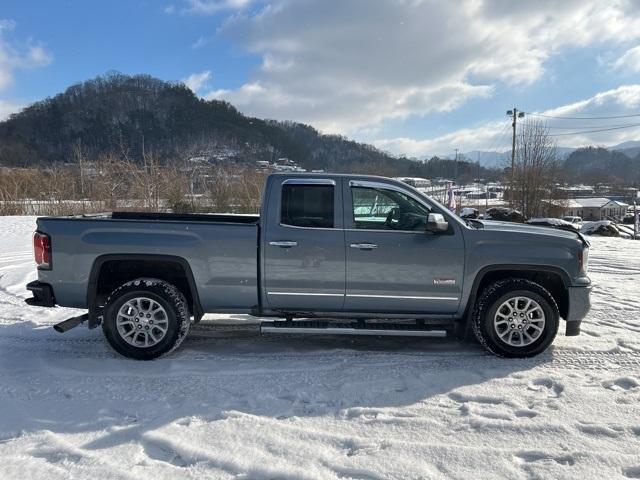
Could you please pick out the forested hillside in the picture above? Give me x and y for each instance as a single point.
(127, 115)
(598, 165)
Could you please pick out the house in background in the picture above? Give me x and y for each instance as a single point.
(598, 208)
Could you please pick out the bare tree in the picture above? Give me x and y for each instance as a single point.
(250, 190)
(536, 169)
(113, 181)
(80, 157)
(147, 182)
(220, 185)
(176, 188)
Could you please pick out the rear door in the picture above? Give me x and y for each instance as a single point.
(393, 264)
(304, 253)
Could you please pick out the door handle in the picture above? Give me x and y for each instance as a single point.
(364, 246)
(284, 244)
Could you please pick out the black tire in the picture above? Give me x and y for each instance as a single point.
(493, 297)
(163, 293)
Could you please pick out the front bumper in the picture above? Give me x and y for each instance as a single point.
(42, 294)
(579, 306)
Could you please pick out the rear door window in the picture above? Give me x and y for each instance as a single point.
(309, 206)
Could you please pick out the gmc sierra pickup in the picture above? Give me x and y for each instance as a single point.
(333, 254)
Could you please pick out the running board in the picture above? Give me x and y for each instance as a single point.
(375, 329)
(70, 323)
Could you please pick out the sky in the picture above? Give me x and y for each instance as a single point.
(413, 77)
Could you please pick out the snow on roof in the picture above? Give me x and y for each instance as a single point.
(576, 188)
(570, 203)
(591, 202)
(597, 202)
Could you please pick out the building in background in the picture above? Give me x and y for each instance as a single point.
(598, 208)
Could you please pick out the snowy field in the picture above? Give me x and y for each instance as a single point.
(233, 404)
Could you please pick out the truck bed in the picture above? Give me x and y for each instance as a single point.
(220, 250)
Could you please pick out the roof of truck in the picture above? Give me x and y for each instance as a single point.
(326, 174)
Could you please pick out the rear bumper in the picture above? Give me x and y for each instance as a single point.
(42, 294)
(579, 306)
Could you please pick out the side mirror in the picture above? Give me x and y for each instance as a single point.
(436, 223)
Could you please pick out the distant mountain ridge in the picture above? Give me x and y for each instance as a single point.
(502, 159)
(598, 165)
(618, 163)
(631, 148)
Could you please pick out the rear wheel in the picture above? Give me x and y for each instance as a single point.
(516, 318)
(145, 318)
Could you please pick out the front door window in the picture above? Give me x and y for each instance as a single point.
(383, 209)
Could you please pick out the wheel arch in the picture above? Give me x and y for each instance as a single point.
(112, 270)
(553, 279)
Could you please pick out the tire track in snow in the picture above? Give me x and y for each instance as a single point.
(77, 348)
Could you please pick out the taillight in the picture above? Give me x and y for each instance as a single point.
(42, 250)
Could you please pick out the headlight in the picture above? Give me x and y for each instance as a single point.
(584, 259)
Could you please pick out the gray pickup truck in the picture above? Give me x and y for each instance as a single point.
(329, 254)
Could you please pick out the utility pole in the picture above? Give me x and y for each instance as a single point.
(455, 175)
(478, 178)
(515, 114)
(635, 220)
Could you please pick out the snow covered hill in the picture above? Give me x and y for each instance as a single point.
(234, 404)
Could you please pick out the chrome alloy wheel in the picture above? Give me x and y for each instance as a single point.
(142, 322)
(519, 321)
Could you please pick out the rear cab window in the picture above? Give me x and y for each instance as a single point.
(308, 205)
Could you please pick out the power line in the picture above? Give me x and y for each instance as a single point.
(583, 118)
(578, 127)
(497, 140)
(593, 131)
(504, 141)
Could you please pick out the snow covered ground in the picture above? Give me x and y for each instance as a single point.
(233, 404)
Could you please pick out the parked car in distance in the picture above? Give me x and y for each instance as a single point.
(573, 219)
(328, 254)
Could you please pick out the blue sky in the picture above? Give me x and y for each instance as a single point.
(412, 77)
(88, 38)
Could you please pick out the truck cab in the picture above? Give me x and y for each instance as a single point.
(344, 244)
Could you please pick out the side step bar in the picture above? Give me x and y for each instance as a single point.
(302, 327)
(70, 323)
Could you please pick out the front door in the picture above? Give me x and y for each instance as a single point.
(393, 264)
(304, 254)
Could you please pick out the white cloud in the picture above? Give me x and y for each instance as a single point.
(197, 81)
(169, 9)
(629, 60)
(493, 136)
(14, 56)
(353, 65)
(7, 108)
(200, 42)
(210, 7)
(374, 105)
(7, 24)
(496, 136)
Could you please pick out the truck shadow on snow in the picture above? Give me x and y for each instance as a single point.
(227, 371)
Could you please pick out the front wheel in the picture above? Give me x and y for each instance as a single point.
(515, 318)
(145, 318)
